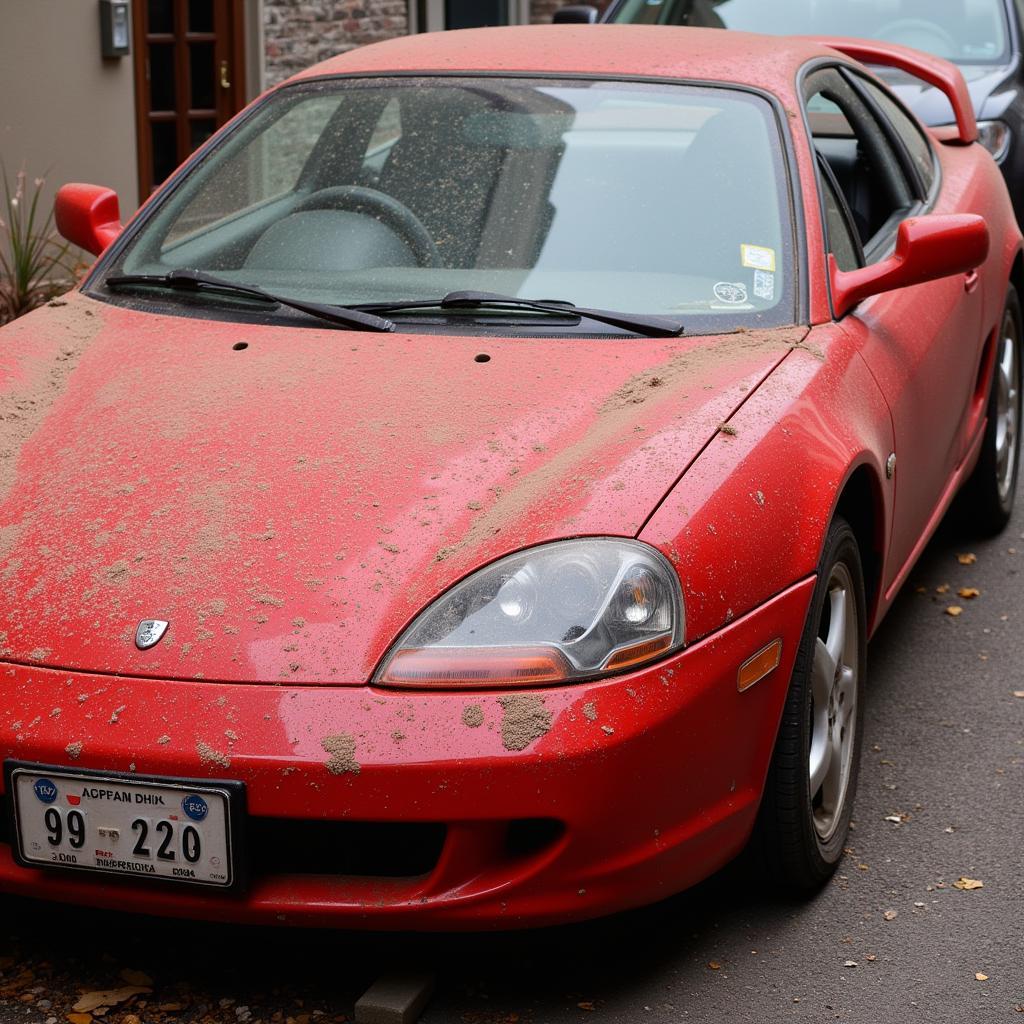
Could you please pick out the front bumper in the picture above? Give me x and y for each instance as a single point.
(498, 810)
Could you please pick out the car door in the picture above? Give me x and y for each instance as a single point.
(922, 344)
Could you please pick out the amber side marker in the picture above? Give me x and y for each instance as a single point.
(754, 669)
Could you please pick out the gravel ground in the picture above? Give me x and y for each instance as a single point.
(892, 937)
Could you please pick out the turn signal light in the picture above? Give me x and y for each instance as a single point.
(754, 669)
(480, 666)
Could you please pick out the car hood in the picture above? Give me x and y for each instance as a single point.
(932, 106)
(289, 506)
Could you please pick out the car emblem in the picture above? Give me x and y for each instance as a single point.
(149, 633)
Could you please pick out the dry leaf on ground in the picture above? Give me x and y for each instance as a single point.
(108, 997)
(978, 976)
(714, 965)
(968, 883)
(969, 558)
(942, 589)
(954, 610)
(968, 592)
(79, 1018)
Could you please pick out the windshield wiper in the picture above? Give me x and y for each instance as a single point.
(649, 326)
(194, 281)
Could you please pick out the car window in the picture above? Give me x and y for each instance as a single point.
(910, 134)
(631, 196)
(268, 168)
(840, 238)
(864, 166)
(968, 31)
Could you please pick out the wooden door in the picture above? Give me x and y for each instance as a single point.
(189, 78)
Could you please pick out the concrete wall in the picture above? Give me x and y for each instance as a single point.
(62, 107)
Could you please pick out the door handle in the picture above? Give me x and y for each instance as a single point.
(971, 281)
(225, 79)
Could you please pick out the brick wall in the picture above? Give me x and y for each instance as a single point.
(301, 32)
(298, 33)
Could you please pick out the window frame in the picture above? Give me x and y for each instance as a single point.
(882, 244)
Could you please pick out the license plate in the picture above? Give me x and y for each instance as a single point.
(180, 830)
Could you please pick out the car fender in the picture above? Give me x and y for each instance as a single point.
(750, 516)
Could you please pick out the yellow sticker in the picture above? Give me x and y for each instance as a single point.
(758, 257)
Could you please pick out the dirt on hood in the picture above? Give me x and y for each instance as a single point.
(289, 506)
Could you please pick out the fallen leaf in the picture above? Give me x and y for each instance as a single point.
(850, 963)
(890, 915)
(978, 976)
(943, 589)
(968, 883)
(131, 977)
(968, 592)
(898, 819)
(954, 610)
(714, 965)
(79, 1018)
(871, 957)
(863, 867)
(108, 997)
(967, 559)
(585, 1005)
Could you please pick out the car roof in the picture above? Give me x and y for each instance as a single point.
(770, 63)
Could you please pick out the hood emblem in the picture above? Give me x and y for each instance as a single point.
(149, 633)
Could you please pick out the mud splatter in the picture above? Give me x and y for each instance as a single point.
(525, 719)
(342, 748)
(473, 716)
(74, 750)
(590, 711)
(210, 756)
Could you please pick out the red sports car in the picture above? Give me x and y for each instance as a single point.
(461, 497)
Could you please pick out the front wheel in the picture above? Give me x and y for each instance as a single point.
(808, 800)
(986, 502)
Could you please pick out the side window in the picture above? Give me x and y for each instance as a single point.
(918, 146)
(865, 168)
(838, 229)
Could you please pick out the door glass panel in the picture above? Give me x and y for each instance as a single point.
(202, 77)
(475, 13)
(165, 149)
(200, 131)
(161, 15)
(200, 15)
(161, 76)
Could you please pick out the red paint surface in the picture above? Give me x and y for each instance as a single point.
(290, 507)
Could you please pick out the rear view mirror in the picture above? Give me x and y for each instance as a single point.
(927, 248)
(88, 216)
(576, 14)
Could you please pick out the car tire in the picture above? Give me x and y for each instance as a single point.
(986, 501)
(808, 799)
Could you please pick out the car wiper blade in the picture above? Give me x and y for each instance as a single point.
(194, 281)
(650, 326)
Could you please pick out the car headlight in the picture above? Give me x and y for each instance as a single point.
(556, 613)
(995, 137)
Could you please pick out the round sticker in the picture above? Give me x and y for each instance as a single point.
(732, 292)
(195, 807)
(45, 790)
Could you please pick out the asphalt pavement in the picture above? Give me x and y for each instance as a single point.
(892, 938)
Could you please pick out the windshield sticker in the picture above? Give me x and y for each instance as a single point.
(764, 285)
(733, 293)
(758, 257)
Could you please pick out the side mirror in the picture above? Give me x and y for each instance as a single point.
(88, 216)
(927, 248)
(576, 14)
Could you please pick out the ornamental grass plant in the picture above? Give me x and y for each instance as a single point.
(35, 264)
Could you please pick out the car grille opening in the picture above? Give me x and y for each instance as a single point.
(284, 846)
(527, 837)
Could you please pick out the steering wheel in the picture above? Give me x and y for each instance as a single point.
(908, 26)
(384, 208)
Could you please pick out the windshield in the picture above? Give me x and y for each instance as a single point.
(967, 31)
(644, 198)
